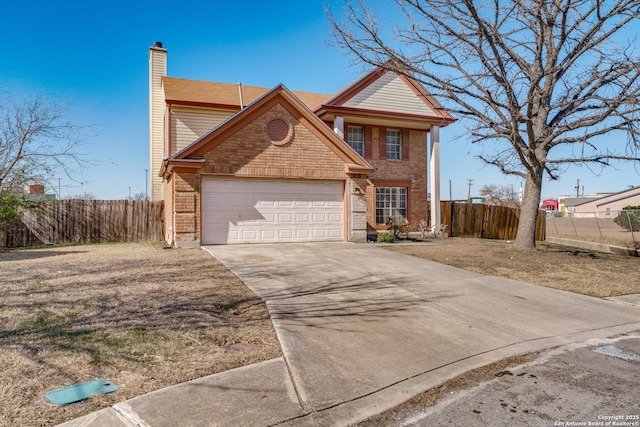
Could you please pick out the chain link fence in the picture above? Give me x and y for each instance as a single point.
(621, 228)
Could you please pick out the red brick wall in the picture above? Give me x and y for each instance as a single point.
(414, 171)
(187, 205)
(37, 189)
(250, 153)
(167, 196)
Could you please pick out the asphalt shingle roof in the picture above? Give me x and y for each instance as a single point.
(225, 94)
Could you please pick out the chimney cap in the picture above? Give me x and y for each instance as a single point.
(157, 44)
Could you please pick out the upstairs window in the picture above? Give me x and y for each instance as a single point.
(394, 144)
(355, 138)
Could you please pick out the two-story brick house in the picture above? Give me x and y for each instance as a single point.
(244, 164)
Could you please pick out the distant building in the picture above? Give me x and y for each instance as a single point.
(36, 192)
(609, 205)
(567, 204)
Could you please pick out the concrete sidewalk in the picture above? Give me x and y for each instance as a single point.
(364, 329)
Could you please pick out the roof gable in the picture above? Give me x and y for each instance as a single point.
(288, 100)
(387, 91)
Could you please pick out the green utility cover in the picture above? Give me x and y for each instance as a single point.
(78, 392)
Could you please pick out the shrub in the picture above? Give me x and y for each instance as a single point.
(385, 237)
(10, 209)
(398, 226)
(423, 228)
(629, 218)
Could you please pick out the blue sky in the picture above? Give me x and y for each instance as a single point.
(93, 59)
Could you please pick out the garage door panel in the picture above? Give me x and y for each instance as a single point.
(335, 234)
(285, 218)
(268, 234)
(303, 234)
(249, 235)
(285, 233)
(237, 210)
(319, 218)
(233, 234)
(319, 233)
(335, 218)
(268, 218)
(302, 218)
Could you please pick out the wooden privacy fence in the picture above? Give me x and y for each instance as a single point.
(485, 221)
(56, 222)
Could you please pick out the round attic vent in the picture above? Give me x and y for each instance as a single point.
(279, 131)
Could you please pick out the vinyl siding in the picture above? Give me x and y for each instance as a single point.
(157, 69)
(390, 93)
(189, 124)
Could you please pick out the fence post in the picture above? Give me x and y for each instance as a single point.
(595, 215)
(573, 225)
(633, 237)
(451, 234)
(553, 218)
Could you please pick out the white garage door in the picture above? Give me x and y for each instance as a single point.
(261, 211)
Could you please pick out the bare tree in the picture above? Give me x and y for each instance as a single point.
(139, 196)
(35, 140)
(537, 80)
(87, 195)
(501, 195)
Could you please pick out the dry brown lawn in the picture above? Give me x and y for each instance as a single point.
(145, 317)
(576, 270)
(135, 314)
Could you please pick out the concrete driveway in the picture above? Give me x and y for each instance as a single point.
(363, 328)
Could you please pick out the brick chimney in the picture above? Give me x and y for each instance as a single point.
(36, 189)
(157, 70)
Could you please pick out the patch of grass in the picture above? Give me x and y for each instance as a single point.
(576, 270)
(98, 358)
(136, 314)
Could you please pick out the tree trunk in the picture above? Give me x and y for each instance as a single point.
(526, 238)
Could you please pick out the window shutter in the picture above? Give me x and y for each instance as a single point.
(405, 145)
(368, 143)
(383, 144)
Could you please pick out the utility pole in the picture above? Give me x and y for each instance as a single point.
(469, 182)
(146, 184)
(577, 187)
(59, 193)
